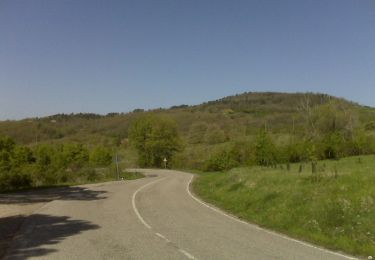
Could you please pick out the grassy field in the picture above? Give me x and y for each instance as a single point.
(334, 208)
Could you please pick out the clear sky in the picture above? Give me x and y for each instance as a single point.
(105, 56)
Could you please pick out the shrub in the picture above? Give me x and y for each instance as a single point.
(220, 161)
(100, 156)
(12, 181)
(265, 150)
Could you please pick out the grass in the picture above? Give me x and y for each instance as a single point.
(131, 175)
(335, 208)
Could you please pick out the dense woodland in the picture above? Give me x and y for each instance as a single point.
(246, 129)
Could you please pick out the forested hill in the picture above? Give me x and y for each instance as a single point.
(235, 116)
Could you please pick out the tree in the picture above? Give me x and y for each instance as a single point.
(155, 138)
(75, 155)
(44, 154)
(332, 146)
(22, 155)
(265, 150)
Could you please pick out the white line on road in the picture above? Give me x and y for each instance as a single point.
(163, 237)
(147, 225)
(187, 254)
(135, 207)
(259, 228)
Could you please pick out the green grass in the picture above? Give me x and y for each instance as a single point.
(131, 175)
(333, 210)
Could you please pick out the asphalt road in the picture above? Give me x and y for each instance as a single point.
(151, 218)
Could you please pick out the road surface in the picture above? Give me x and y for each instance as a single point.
(151, 218)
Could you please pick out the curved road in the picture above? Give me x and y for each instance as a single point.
(151, 218)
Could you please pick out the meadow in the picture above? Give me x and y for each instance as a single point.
(334, 207)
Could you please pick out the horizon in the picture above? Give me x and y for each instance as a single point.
(170, 107)
(89, 57)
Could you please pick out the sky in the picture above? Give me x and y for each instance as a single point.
(65, 56)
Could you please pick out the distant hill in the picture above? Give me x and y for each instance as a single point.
(237, 116)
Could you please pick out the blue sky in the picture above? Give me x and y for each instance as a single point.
(115, 56)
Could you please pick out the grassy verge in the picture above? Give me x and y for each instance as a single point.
(131, 175)
(88, 176)
(335, 208)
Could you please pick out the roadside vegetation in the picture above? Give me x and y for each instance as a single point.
(131, 175)
(22, 167)
(156, 139)
(333, 206)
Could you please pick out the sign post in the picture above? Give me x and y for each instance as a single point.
(117, 168)
(165, 163)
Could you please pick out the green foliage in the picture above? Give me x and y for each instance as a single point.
(43, 156)
(222, 160)
(15, 180)
(75, 155)
(215, 135)
(265, 150)
(331, 146)
(302, 126)
(334, 117)
(22, 155)
(22, 167)
(6, 144)
(100, 156)
(155, 138)
(197, 132)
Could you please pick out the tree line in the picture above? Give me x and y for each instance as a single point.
(331, 131)
(49, 164)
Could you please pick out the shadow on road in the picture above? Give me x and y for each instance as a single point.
(66, 193)
(40, 230)
(50, 229)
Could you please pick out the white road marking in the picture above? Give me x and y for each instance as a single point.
(163, 237)
(147, 225)
(135, 207)
(259, 228)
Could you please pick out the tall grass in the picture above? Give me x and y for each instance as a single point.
(335, 207)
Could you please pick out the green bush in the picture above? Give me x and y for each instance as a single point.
(100, 156)
(220, 161)
(13, 181)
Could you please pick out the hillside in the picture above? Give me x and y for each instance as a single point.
(204, 128)
(246, 129)
(247, 112)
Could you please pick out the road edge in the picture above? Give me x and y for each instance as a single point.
(237, 219)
